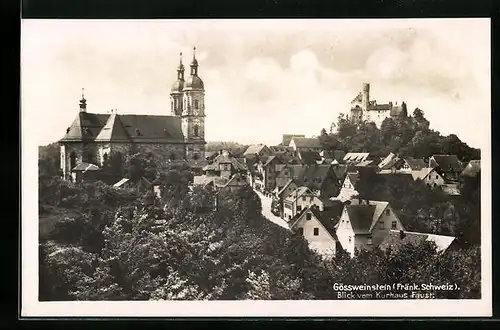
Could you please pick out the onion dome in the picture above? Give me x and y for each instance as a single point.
(179, 84)
(193, 81)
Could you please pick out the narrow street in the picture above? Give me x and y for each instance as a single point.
(266, 211)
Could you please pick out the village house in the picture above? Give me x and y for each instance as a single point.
(321, 179)
(444, 173)
(305, 144)
(220, 171)
(84, 172)
(365, 224)
(348, 189)
(257, 151)
(267, 172)
(286, 138)
(280, 194)
(140, 184)
(397, 238)
(281, 150)
(332, 157)
(300, 199)
(290, 172)
(318, 229)
(309, 157)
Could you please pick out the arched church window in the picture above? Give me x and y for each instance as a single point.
(196, 156)
(196, 104)
(196, 130)
(72, 160)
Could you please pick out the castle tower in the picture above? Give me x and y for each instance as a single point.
(176, 93)
(365, 95)
(193, 113)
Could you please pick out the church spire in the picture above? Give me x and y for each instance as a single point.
(194, 64)
(83, 102)
(180, 69)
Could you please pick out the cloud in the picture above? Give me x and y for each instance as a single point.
(264, 78)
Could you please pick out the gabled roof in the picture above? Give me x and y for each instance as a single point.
(358, 98)
(85, 127)
(269, 160)
(113, 130)
(282, 190)
(380, 107)
(472, 168)
(361, 217)
(140, 128)
(394, 241)
(309, 157)
(385, 163)
(297, 193)
(254, 149)
(85, 167)
(302, 142)
(288, 137)
(280, 149)
(121, 182)
(353, 178)
(356, 156)
(324, 218)
(203, 180)
(236, 180)
(224, 158)
(295, 171)
(422, 173)
(446, 163)
(416, 164)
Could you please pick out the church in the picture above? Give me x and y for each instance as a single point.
(93, 137)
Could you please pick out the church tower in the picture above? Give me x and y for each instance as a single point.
(176, 91)
(193, 113)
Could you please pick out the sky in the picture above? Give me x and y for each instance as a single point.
(263, 78)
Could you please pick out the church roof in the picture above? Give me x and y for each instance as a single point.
(113, 130)
(140, 128)
(85, 127)
(194, 82)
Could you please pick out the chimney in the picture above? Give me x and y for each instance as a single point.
(402, 234)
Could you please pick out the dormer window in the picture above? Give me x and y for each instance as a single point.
(387, 212)
(308, 216)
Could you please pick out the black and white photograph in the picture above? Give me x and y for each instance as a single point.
(288, 167)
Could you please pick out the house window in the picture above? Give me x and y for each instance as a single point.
(387, 212)
(369, 240)
(304, 198)
(308, 216)
(299, 208)
(349, 239)
(301, 231)
(394, 224)
(289, 217)
(381, 225)
(316, 232)
(72, 160)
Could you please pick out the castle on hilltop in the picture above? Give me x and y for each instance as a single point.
(93, 137)
(363, 109)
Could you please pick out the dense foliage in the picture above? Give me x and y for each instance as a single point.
(234, 148)
(404, 135)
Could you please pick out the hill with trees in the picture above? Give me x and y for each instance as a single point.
(404, 135)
